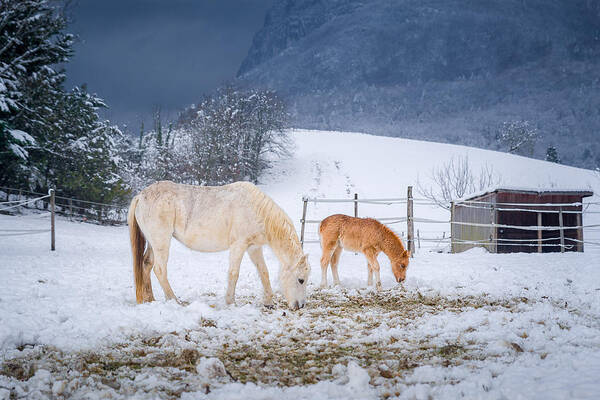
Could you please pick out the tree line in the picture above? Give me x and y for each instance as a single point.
(53, 137)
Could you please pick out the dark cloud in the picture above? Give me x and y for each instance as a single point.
(137, 54)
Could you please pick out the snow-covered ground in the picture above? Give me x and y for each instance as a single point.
(472, 325)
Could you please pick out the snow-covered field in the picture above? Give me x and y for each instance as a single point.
(471, 325)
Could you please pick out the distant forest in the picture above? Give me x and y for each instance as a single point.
(456, 71)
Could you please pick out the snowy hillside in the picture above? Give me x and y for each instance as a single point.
(473, 324)
(339, 164)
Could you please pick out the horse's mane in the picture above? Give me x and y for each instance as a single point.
(279, 228)
(391, 236)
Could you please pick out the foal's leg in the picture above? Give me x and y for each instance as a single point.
(256, 255)
(236, 253)
(325, 258)
(370, 277)
(371, 255)
(335, 259)
(147, 281)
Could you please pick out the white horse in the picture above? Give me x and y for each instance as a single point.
(238, 217)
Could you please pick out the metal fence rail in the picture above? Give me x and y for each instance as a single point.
(411, 219)
(81, 210)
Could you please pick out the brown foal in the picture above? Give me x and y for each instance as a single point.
(365, 235)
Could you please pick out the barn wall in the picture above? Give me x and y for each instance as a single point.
(521, 218)
(475, 213)
(511, 240)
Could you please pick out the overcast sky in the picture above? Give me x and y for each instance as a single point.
(137, 54)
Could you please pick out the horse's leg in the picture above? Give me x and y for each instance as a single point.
(370, 277)
(161, 256)
(236, 253)
(148, 264)
(371, 255)
(335, 259)
(325, 258)
(256, 255)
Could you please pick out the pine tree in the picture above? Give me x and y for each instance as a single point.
(32, 43)
(57, 136)
(14, 154)
(552, 155)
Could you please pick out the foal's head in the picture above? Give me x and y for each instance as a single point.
(294, 283)
(400, 265)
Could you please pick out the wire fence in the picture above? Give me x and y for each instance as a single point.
(12, 205)
(442, 240)
(19, 201)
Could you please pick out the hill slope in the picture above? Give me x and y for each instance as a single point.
(339, 164)
(450, 71)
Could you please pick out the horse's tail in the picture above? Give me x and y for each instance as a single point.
(138, 243)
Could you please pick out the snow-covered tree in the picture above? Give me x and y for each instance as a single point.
(32, 43)
(55, 137)
(14, 154)
(455, 179)
(552, 155)
(518, 137)
(229, 136)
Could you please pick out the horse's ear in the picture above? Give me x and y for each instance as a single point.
(303, 259)
(406, 253)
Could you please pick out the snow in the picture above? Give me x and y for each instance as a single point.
(22, 136)
(473, 325)
(538, 190)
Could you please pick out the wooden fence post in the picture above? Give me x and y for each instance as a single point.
(410, 227)
(355, 205)
(539, 232)
(303, 220)
(418, 239)
(452, 232)
(580, 231)
(52, 225)
(562, 231)
(70, 209)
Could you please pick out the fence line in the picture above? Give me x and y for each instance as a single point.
(525, 227)
(32, 232)
(410, 219)
(484, 242)
(23, 202)
(21, 232)
(492, 208)
(85, 210)
(575, 204)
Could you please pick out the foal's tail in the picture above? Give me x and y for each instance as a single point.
(138, 242)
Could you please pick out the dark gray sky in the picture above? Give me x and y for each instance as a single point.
(138, 54)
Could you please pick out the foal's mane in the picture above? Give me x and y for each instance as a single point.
(391, 238)
(279, 228)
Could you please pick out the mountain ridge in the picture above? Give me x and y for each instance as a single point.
(412, 68)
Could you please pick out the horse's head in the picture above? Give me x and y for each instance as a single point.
(294, 283)
(400, 265)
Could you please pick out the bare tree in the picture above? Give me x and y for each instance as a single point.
(455, 179)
